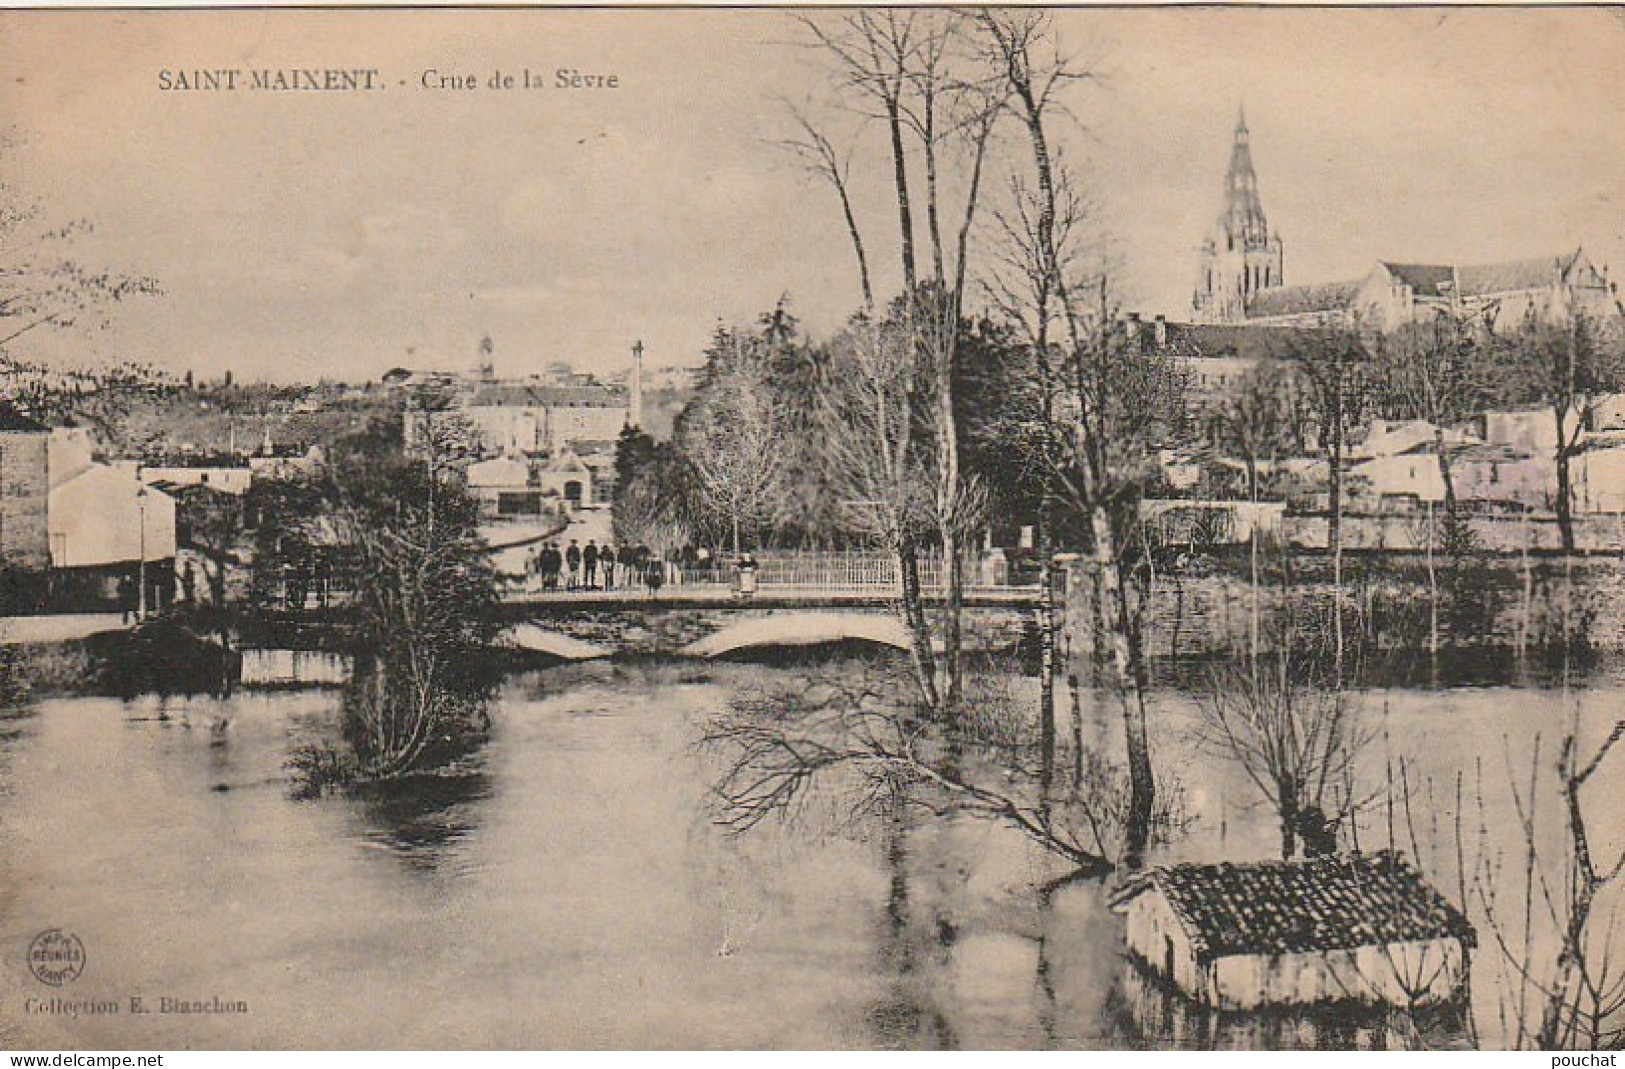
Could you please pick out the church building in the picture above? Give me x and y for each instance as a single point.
(1241, 280)
(1241, 256)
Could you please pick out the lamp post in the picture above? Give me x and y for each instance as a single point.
(141, 555)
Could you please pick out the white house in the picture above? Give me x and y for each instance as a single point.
(1386, 438)
(504, 486)
(521, 417)
(1361, 928)
(106, 516)
(1597, 475)
(227, 480)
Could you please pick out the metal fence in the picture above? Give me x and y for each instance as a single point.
(847, 573)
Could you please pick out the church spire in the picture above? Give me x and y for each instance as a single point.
(1243, 222)
(1241, 257)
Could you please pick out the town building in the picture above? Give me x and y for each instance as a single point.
(24, 488)
(226, 474)
(521, 417)
(1361, 928)
(1501, 296)
(560, 425)
(1480, 473)
(1241, 278)
(107, 527)
(522, 487)
(1597, 474)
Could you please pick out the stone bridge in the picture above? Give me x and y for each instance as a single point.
(585, 628)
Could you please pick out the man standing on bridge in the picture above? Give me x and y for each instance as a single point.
(606, 561)
(589, 557)
(551, 563)
(572, 561)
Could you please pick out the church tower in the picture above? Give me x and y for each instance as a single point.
(1240, 258)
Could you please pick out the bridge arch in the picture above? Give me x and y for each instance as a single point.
(528, 636)
(802, 629)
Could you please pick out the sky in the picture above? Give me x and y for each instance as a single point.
(307, 234)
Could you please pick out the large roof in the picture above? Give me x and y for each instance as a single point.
(1277, 907)
(533, 395)
(1247, 341)
(1424, 279)
(1299, 300)
(1540, 272)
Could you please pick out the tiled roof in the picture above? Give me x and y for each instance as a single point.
(1247, 341)
(1276, 907)
(1297, 300)
(1538, 273)
(15, 421)
(520, 395)
(1423, 278)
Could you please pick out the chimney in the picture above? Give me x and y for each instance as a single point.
(1133, 326)
(1161, 328)
(634, 415)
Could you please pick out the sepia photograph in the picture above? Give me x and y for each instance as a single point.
(788, 528)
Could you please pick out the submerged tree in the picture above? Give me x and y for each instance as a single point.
(1105, 398)
(425, 594)
(1297, 742)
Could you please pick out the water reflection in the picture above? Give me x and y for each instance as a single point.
(425, 820)
(1145, 1012)
(567, 887)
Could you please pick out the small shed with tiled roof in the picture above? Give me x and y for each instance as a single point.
(1364, 928)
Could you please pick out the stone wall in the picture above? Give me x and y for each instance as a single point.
(1386, 603)
(24, 487)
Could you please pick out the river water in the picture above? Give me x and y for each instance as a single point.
(570, 888)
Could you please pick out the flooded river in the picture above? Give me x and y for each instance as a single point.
(571, 889)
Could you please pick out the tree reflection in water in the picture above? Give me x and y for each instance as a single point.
(422, 819)
(1144, 1012)
(908, 1016)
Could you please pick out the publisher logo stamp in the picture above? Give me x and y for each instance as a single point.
(56, 957)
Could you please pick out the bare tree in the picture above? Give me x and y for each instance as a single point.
(1109, 391)
(1335, 366)
(1297, 743)
(1252, 424)
(820, 157)
(1564, 367)
(872, 50)
(878, 464)
(912, 71)
(1557, 931)
(858, 743)
(42, 283)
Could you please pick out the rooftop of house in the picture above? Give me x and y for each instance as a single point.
(1278, 907)
(1236, 340)
(1303, 300)
(1427, 280)
(536, 395)
(1512, 275)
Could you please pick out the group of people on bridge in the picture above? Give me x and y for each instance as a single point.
(595, 567)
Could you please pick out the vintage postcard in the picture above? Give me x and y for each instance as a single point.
(933, 528)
